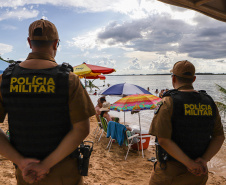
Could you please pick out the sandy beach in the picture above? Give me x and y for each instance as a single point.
(107, 168)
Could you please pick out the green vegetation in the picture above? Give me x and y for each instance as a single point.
(91, 85)
(8, 61)
(221, 106)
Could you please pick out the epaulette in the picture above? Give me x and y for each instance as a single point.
(8, 71)
(66, 67)
(169, 92)
(205, 93)
(202, 91)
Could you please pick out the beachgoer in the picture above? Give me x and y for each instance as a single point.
(95, 93)
(156, 92)
(188, 128)
(116, 119)
(148, 89)
(99, 105)
(104, 111)
(161, 93)
(48, 113)
(164, 92)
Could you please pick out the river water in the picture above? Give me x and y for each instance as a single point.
(203, 82)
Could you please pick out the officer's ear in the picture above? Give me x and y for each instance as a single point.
(174, 78)
(194, 79)
(29, 42)
(55, 44)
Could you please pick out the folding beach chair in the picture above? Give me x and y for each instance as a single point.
(118, 131)
(98, 129)
(130, 139)
(104, 126)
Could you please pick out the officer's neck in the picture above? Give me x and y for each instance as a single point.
(184, 86)
(49, 51)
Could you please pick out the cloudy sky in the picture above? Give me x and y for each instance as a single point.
(133, 36)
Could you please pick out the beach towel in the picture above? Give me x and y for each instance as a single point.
(116, 131)
(111, 130)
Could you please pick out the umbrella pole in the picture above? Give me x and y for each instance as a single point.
(124, 117)
(141, 136)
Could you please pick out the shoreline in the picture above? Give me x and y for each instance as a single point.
(165, 74)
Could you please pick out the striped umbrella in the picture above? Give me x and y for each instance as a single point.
(123, 89)
(136, 102)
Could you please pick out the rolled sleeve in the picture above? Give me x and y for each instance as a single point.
(161, 125)
(218, 129)
(80, 104)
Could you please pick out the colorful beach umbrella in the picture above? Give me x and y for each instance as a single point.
(87, 70)
(124, 89)
(136, 103)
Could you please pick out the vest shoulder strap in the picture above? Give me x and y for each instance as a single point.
(8, 71)
(170, 92)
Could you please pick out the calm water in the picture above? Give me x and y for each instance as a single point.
(203, 82)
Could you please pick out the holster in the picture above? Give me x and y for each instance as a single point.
(83, 153)
(161, 155)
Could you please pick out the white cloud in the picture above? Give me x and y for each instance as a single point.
(106, 62)
(19, 14)
(209, 66)
(135, 65)
(86, 41)
(136, 9)
(90, 41)
(5, 48)
(142, 55)
(9, 27)
(90, 5)
(152, 62)
(163, 64)
(44, 17)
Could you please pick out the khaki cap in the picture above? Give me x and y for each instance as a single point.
(48, 30)
(183, 69)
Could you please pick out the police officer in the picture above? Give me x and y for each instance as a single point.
(48, 113)
(188, 131)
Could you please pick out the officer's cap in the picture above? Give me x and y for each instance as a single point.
(183, 69)
(43, 30)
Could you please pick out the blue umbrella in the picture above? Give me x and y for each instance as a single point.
(123, 89)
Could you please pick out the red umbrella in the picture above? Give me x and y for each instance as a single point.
(86, 70)
(101, 77)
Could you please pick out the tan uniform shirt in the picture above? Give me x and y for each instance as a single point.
(161, 125)
(176, 172)
(80, 104)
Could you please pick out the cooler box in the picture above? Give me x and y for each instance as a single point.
(145, 141)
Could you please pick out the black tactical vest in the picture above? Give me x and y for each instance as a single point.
(192, 121)
(37, 105)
